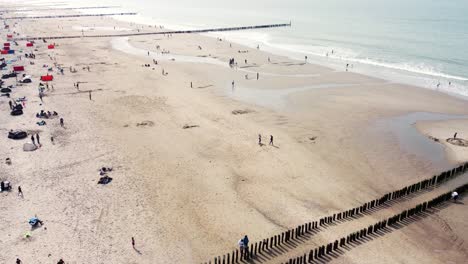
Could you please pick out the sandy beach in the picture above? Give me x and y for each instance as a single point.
(189, 177)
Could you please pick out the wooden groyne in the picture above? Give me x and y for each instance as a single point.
(295, 234)
(65, 8)
(159, 33)
(320, 254)
(68, 16)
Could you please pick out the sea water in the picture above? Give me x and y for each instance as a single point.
(419, 42)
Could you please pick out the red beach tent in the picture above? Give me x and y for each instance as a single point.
(6, 44)
(47, 78)
(4, 52)
(29, 44)
(6, 48)
(18, 68)
(9, 36)
(51, 46)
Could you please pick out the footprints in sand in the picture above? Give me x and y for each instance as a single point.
(458, 142)
(454, 141)
(242, 111)
(142, 124)
(189, 126)
(145, 124)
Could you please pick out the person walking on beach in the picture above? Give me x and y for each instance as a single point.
(305, 58)
(191, 85)
(259, 139)
(90, 95)
(233, 84)
(11, 105)
(61, 122)
(455, 136)
(20, 191)
(52, 140)
(38, 140)
(258, 76)
(33, 140)
(245, 241)
(271, 140)
(133, 242)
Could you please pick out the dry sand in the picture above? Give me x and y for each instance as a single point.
(187, 195)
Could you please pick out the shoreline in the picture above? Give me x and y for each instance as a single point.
(188, 194)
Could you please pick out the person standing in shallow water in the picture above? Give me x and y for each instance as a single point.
(271, 140)
(259, 139)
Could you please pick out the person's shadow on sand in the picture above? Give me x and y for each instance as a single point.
(137, 251)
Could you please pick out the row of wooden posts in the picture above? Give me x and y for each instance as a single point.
(69, 16)
(61, 8)
(295, 233)
(324, 250)
(158, 33)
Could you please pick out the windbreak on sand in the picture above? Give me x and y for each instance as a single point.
(47, 78)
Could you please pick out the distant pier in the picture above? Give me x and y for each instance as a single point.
(48, 9)
(68, 16)
(160, 33)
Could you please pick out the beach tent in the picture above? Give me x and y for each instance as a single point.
(6, 44)
(29, 147)
(10, 52)
(9, 36)
(18, 68)
(29, 44)
(6, 48)
(18, 134)
(51, 46)
(16, 112)
(47, 78)
(4, 52)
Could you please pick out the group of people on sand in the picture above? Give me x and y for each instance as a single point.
(244, 245)
(47, 115)
(30, 55)
(260, 140)
(232, 63)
